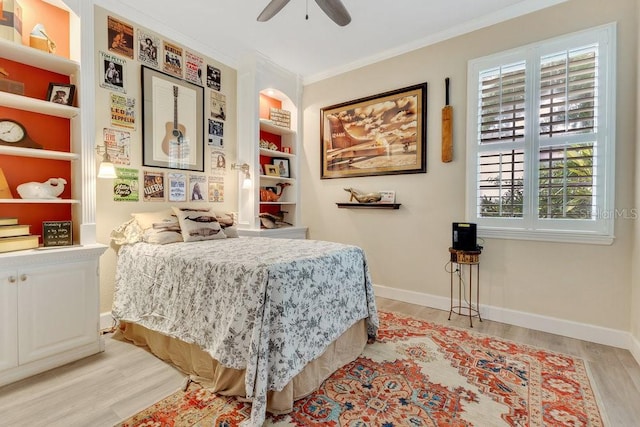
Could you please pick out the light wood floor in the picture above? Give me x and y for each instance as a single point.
(107, 388)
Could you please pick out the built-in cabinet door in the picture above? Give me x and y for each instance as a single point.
(8, 319)
(57, 309)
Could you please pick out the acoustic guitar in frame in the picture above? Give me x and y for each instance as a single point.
(175, 135)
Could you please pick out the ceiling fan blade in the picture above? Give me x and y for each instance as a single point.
(272, 9)
(336, 11)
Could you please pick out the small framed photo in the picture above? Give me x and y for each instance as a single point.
(283, 166)
(271, 170)
(61, 93)
(388, 196)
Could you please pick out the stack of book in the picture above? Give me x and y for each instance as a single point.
(15, 237)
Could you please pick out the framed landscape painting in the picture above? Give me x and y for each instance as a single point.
(384, 134)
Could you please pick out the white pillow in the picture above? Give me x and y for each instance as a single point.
(228, 223)
(147, 219)
(198, 224)
(126, 233)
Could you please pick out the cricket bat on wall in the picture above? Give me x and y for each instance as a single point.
(447, 127)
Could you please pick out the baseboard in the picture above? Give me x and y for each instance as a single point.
(567, 328)
(106, 321)
(634, 348)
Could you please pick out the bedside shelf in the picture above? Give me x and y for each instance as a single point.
(369, 205)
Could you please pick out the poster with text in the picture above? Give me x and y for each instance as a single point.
(218, 162)
(197, 188)
(218, 105)
(172, 63)
(148, 45)
(216, 132)
(126, 185)
(216, 189)
(193, 67)
(120, 37)
(113, 70)
(118, 145)
(153, 187)
(123, 111)
(214, 77)
(177, 187)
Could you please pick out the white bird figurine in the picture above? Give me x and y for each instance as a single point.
(50, 189)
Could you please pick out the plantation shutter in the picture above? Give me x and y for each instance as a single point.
(567, 145)
(541, 139)
(501, 136)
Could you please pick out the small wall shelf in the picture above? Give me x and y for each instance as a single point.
(369, 205)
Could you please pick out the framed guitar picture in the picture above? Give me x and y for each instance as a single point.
(172, 122)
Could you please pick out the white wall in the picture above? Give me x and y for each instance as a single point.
(407, 248)
(110, 214)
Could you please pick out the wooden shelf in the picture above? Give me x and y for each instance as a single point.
(277, 178)
(11, 100)
(369, 205)
(38, 58)
(269, 126)
(55, 201)
(275, 153)
(36, 153)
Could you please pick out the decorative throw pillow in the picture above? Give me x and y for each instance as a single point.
(163, 233)
(127, 233)
(147, 219)
(198, 224)
(228, 223)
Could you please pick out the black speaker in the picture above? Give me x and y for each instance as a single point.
(464, 236)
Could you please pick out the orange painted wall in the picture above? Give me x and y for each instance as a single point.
(52, 132)
(55, 21)
(267, 102)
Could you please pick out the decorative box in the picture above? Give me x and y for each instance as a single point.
(11, 21)
(11, 86)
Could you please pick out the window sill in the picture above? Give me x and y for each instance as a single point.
(555, 236)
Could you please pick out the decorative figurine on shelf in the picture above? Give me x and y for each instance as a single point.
(50, 189)
(273, 220)
(363, 198)
(40, 40)
(270, 196)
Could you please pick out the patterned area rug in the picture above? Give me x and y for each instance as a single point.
(418, 374)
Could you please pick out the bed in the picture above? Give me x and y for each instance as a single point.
(268, 319)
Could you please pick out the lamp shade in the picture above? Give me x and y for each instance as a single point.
(107, 170)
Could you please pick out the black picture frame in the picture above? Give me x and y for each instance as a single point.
(283, 166)
(61, 93)
(57, 233)
(172, 122)
(383, 134)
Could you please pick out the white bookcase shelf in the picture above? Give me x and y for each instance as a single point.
(34, 105)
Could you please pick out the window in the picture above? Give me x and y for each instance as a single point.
(541, 128)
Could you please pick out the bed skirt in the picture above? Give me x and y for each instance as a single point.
(197, 363)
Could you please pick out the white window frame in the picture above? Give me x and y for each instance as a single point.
(599, 230)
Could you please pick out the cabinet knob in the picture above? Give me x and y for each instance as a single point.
(12, 279)
(23, 277)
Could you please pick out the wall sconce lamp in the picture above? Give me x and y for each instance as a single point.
(246, 183)
(106, 170)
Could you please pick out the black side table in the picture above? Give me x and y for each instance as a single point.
(466, 308)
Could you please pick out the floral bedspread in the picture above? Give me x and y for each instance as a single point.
(269, 306)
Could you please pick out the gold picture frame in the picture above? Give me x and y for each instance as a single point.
(272, 170)
(382, 134)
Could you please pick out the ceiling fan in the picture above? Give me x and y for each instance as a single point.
(333, 8)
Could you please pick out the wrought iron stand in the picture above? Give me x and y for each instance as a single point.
(465, 308)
